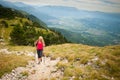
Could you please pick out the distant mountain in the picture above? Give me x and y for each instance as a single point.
(87, 27)
(29, 9)
(7, 3)
(100, 27)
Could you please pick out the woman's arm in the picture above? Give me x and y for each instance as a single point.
(43, 43)
(35, 43)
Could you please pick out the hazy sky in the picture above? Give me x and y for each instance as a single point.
(94, 5)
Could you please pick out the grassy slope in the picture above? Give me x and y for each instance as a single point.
(11, 23)
(6, 31)
(15, 21)
(79, 56)
(87, 62)
(11, 61)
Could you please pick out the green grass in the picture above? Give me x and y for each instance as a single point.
(9, 62)
(10, 23)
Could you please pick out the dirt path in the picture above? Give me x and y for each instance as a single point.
(45, 70)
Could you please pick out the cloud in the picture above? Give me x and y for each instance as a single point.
(108, 2)
(92, 5)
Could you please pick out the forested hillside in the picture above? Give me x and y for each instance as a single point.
(20, 28)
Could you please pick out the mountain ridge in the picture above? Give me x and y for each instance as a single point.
(26, 27)
(86, 23)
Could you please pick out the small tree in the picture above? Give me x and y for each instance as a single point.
(17, 35)
(4, 23)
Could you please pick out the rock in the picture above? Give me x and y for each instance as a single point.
(4, 50)
(95, 59)
(89, 63)
(54, 70)
(65, 61)
(82, 65)
(2, 40)
(112, 78)
(30, 54)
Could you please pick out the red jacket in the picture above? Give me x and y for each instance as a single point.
(39, 45)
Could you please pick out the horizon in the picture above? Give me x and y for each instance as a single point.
(109, 6)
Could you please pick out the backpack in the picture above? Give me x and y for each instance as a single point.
(36, 43)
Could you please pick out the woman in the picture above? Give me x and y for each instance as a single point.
(39, 46)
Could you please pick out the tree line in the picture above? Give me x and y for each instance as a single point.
(26, 35)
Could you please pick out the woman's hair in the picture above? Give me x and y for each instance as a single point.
(40, 38)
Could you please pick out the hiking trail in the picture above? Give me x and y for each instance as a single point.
(46, 70)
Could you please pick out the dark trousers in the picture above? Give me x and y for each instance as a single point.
(39, 52)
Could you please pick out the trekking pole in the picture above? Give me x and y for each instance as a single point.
(36, 57)
(44, 58)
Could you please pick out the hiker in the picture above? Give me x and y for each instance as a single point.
(39, 46)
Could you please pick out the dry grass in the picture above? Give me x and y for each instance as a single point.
(78, 56)
(9, 62)
(22, 48)
(106, 67)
